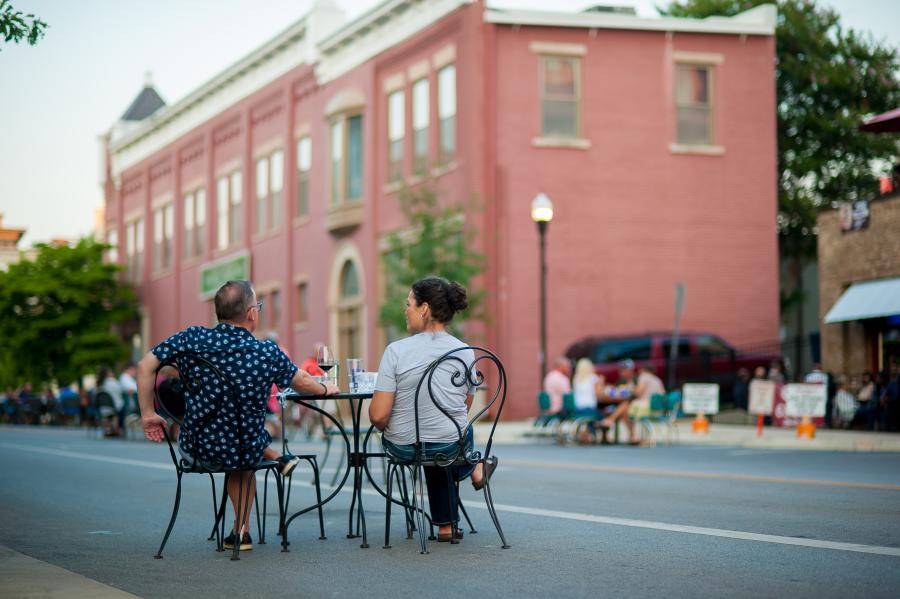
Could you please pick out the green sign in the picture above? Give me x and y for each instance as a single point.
(216, 274)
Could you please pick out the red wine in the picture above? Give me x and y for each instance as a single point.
(326, 367)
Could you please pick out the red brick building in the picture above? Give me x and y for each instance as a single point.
(654, 138)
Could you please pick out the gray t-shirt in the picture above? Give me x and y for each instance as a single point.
(402, 366)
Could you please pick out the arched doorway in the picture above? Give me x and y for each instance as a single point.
(348, 313)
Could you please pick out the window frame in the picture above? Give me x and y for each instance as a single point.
(543, 96)
(395, 163)
(232, 180)
(710, 103)
(301, 209)
(194, 238)
(444, 156)
(341, 199)
(420, 136)
(164, 228)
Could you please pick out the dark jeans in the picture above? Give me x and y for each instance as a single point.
(441, 482)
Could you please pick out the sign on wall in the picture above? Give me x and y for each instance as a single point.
(762, 397)
(804, 399)
(853, 216)
(700, 397)
(235, 267)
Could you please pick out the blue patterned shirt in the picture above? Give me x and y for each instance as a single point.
(253, 366)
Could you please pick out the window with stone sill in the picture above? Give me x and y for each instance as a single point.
(446, 82)
(346, 159)
(228, 215)
(269, 187)
(560, 89)
(304, 165)
(194, 218)
(693, 105)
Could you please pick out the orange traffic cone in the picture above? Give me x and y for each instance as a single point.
(806, 429)
(700, 424)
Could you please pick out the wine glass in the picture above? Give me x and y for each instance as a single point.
(325, 358)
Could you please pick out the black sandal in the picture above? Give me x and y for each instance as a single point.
(489, 467)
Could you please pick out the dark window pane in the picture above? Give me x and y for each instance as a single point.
(560, 118)
(354, 157)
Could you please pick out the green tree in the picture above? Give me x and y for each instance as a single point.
(15, 25)
(435, 242)
(58, 314)
(828, 79)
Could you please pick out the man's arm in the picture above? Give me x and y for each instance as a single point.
(154, 424)
(304, 383)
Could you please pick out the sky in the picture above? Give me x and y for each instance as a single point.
(57, 97)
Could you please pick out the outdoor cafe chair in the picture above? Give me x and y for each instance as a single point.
(485, 370)
(195, 372)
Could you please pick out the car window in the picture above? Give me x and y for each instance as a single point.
(620, 349)
(684, 348)
(712, 345)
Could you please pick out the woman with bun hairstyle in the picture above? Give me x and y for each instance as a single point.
(430, 306)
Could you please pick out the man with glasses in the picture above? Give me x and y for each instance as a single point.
(250, 364)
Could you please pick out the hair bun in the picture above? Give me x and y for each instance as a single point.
(457, 297)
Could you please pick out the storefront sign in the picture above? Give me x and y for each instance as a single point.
(803, 399)
(762, 397)
(701, 398)
(854, 216)
(235, 267)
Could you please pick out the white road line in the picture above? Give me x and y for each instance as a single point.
(759, 452)
(515, 509)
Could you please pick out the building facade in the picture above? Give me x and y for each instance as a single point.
(654, 138)
(859, 279)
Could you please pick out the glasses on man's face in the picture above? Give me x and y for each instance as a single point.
(257, 305)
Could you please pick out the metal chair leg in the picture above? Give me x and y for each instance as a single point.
(261, 527)
(215, 526)
(243, 508)
(172, 519)
(489, 499)
(387, 512)
(317, 480)
(462, 508)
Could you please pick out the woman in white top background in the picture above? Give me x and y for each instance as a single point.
(587, 386)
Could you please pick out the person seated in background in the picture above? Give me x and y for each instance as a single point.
(430, 306)
(621, 396)
(741, 390)
(648, 385)
(109, 384)
(587, 387)
(253, 366)
(556, 383)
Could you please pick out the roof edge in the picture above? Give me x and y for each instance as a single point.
(760, 20)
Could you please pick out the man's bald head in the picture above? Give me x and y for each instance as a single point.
(232, 300)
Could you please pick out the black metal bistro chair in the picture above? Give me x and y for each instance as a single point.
(194, 372)
(485, 371)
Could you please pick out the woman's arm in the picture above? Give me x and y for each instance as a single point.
(469, 399)
(381, 407)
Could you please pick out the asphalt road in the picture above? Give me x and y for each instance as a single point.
(689, 521)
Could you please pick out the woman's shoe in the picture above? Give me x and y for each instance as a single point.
(489, 467)
(446, 537)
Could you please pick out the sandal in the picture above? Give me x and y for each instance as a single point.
(446, 537)
(489, 466)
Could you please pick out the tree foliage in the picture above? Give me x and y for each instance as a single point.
(828, 79)
(436, 242)
(15, 25)
(58, 314)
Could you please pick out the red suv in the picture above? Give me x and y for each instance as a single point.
(701, 357)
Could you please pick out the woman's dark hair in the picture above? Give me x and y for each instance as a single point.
(445, 298)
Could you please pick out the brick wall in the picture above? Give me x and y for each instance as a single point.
(846, 258)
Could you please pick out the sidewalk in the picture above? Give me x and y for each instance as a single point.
(521, 432)
(23, 577)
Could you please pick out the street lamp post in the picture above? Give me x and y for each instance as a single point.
(542, 214)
